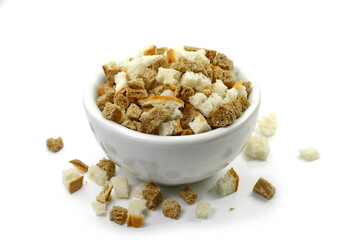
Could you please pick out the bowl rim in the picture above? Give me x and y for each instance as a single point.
(89, 101)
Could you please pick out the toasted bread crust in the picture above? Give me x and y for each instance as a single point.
(156, 99)
(135, 221)
(236, 177)
(82, 167)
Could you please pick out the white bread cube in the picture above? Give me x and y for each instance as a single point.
(138, 190)
(309, 153)
(120, 80)
(228, 183)
(203, 210)
(230, 95)
(135, 211)
(206, 105)
(97, 175)
(99, 208)
(135, 65)
(193, 56)
(257, 148)
(121, 187)
(170, 128)
(219, 87)
(199, 125)
(168, 76)
(195, 80)
(268, 124)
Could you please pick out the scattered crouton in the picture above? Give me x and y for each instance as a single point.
(108, 166)
(72, 180)
(309, 154)
(268, 124)
(264, 188)
(118, 214)
(54, 144)
(135, 213)
(257, 148)
(99, 208)
(203, 210)
(152, 195)
(82, 167)
(188, 194)
(97, 175)
(105, 194)
(121, 187)
(228, 183)
(138, 190)
(171, 209)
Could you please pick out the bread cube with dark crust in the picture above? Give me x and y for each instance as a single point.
(152, 119)
(113, 112)
(264, 188)
(171, 209)
(188, 194)
(149, 77)
(108, 166)
(118, 214)
(222, 116)
(184, 92)
(54, 144)
(152, 195)
(222, 61)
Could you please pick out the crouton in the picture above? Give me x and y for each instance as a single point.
(138, 191)
(195, 80)
(149, 77)
(257, 148)
(108, 96)
(152, 195)
(170, 54)
(135, 213)
(309, 153)
(113, 112)
(110, 70)
(135, 65)
(118, 214)
(133, 125)
(268, 124)
(152, 119)
(228, 183)
(171, 209)
(222, 116)
(264, 188)
(161, 62)
(120, 81)
(149, 51)
(72, 180)
(105, 194)
(188, 194)
(170, 128)
(184, 92)
(97, 175)
(108, 166)
(121, 187)
(186, 131)
(219, 87)
(203, 210)
(102, 89)
(99, 208)
(82, 167)
(133, 112)
(168, 76)
(206, 105)
(120, 100)
(199, 125)
(135, 89)
(222, 61)
(54, 144)
(223, 75)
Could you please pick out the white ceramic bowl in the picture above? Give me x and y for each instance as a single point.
(170, 160)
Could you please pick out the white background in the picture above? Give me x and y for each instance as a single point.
(304, 55)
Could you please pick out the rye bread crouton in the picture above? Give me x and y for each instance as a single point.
(189, 114)
(54, 144)
(149, 77)
(108, 166)
(133, 112)
(183, 92)
(153, 118)
(222, 116)
(113, 112)
(152, 195)
(222, 61)
(110, 70)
